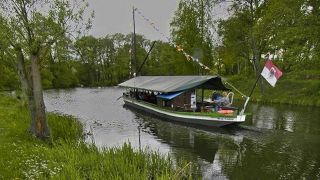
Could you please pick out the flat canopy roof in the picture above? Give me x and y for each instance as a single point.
(174, 83)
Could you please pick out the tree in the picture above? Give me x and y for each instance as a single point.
(295, 33)
(191, 30)
(86, 48)
(58, 66)
(9, 78)
(287, 29)
(97, 57)
(122, 66)
(235, 49)
(31, 27)
(166, 60)
(244, 35)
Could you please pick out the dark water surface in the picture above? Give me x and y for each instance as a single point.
(277, 142)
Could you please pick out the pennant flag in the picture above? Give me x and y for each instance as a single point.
(188, 57)
(179, 48)
(271, 73)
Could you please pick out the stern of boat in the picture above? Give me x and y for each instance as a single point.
(241, 118)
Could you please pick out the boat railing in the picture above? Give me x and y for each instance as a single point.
(188, 110)
(230, 97)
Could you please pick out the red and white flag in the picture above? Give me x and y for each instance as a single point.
(271, 73)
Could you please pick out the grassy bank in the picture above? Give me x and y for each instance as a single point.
(300, 88)
(66, 156)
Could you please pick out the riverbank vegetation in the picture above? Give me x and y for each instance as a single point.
(289, 90)
(233, 46)
(67, 156)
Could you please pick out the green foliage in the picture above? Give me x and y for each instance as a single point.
(65, 128)
(288, 90)
(165, 60)
(243, 38)
(190, 30)
(284, 28)
(47, 78)
(33, 31)
(67, 156)
(9, 78)
(65, 75)
(287, 29)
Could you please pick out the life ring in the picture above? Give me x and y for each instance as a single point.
(227, 111)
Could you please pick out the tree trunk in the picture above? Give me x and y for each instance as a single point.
(39, 125)
(25, 82)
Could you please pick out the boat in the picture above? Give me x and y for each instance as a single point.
(177, 99)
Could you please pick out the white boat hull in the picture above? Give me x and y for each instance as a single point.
(191, 119)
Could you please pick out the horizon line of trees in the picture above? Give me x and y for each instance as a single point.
(288, 30)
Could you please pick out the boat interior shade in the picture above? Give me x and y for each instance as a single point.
(174, 83)
(169, 96)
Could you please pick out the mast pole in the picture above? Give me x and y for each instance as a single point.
(134, 43)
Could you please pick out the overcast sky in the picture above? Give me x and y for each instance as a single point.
(115, 16)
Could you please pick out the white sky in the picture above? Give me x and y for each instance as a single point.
(115, 16)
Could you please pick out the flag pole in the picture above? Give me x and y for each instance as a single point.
(274, 72)
(248, 97)
(255, 85)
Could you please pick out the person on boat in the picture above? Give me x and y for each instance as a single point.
(153, 98)
(222, 101)
(215, 96)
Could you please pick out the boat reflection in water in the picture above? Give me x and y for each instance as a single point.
(200, 146)
(236, 152)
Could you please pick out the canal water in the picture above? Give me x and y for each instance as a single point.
(276, 142)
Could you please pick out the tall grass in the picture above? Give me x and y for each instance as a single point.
(67, 156)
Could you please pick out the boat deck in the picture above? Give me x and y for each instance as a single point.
(200, 118)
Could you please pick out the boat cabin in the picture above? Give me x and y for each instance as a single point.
(177, 92)
(176, 100)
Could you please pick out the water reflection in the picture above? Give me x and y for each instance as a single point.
(276, 142)
(290, 118)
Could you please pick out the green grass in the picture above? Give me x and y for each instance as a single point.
(67, 156)
(292, 88)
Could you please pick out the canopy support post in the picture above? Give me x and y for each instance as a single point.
(202, 97)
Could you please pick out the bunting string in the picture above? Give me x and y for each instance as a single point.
(180, 49)
(177, 47)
